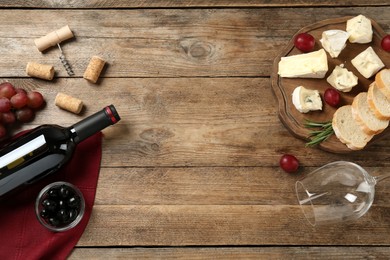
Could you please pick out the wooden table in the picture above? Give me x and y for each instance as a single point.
(192, 170)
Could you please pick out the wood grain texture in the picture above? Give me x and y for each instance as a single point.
(298, 252)
(163, 43)
(188, 122)
(186, 225)
(192, 169)
(208, 186)
(181, 4)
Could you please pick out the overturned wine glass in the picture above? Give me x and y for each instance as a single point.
(336, 192)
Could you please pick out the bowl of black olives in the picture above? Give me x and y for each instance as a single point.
(60, 206)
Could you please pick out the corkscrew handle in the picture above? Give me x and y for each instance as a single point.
(94, 123)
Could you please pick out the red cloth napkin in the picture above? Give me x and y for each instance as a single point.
(22, 236)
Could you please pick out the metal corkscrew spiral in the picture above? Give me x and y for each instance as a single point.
(65, 63)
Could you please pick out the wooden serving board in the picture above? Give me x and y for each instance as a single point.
(284, 87)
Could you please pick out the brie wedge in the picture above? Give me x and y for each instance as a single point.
(306, 100)
(367, 62)
(308, 65)
(334, 41)
(360, 29)
(342, 79)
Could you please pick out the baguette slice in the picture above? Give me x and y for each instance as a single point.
(347, 130)
(365, 117)
(378, 102)
(382, 80)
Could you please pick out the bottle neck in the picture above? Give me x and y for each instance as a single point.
(94, 123)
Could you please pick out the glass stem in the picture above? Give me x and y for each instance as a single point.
(382, 177)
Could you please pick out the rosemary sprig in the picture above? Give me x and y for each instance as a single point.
(324, 130)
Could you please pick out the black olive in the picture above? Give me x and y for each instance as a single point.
(64, 191)
(53, 193)
(49, 204)
(63, 215)
(61, 204)
(54, 221)
(73, 214)
(44, 213)
(74, 202)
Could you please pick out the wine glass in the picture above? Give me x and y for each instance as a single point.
(336, 192)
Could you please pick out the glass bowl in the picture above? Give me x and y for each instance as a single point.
(60, 206)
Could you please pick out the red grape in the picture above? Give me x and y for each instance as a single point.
(385, 43)
(35, 100)
(17, 104)
(289, 163)
(5, 104)
(7, 90)
(25, 114)
(3, 131)
(20, 90)
(8, 118)
(19, 100)
(332, 97)
(304, 42)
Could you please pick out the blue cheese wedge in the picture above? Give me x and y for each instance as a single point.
(308, 65)
(367, 63)
(360, 29)
(334, 41)
(306, 100)
(342, 79)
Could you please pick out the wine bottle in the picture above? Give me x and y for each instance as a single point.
(47, 148)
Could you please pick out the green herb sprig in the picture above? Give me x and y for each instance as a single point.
(323, 132)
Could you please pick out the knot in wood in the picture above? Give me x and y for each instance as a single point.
(199, 50)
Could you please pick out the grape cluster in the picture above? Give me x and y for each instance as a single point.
(17, 105)
(61, 206)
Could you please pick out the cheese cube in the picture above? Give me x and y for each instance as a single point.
(306, 100)
(367, 62)
(342, 79)
(308, 65)
(360, 29)
(334, 41)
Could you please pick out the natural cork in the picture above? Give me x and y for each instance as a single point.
(69, 103)
(41, 71)
(94, 69)
(53, 38)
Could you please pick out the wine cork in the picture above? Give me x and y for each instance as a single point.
(41, 71)
(68, 103)
(94, 69)
(53, 38)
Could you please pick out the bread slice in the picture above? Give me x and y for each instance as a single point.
(378, 102)
(365, 117)
(347, 130)
(382, 80)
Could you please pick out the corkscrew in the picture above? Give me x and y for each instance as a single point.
(65, 62)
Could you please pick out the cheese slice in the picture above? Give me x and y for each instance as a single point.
(334, 41)
(306, 100)
(367, 63)
(308, 65)
(360, 29)
(342, 79)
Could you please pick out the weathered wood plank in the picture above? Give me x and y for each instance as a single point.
(299, 252)
(208, 186)
(126, 57)
(180, 4)
(163, 24)
(163, 43)
(186, 225)
(189, 122)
